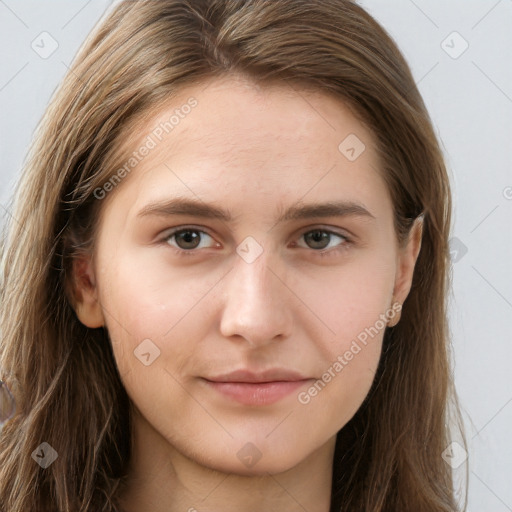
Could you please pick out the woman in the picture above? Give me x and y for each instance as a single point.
(225, 288)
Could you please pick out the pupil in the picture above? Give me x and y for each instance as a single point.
(189, 237)
(318, 237)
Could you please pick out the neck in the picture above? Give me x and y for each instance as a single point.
(161, 479)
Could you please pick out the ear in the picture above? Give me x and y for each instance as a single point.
(406, 262)
(87, 307)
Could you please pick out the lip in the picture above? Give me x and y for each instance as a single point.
(262, 388)
(272, 375)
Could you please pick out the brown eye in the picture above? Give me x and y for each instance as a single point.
(317, 239)
(187, 239)
(321, 238)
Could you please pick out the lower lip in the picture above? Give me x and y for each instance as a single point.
(257, 393)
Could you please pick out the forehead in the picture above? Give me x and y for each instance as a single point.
(259, 137)
(232, 114)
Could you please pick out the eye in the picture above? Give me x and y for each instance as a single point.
(324, 239)
(186, 239)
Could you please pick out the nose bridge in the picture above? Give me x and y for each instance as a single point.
(256, 279)
(256, 302)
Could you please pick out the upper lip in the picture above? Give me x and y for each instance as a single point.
(272, 375)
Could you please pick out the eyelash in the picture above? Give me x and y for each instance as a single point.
(320, 252)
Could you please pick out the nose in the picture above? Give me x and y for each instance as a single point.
(257, 303)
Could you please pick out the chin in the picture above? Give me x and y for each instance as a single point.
(263, 467)
(246, 459)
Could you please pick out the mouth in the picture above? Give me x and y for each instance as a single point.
(257, 389)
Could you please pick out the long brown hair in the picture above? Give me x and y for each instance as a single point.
(63, 375)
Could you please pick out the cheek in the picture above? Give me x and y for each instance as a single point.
(153, 326)
(155, 302)
(352, 302)
(349, 299)
(356, 315)
(345, 383)
(148, 297)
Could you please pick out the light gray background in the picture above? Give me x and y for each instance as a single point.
(470, 101)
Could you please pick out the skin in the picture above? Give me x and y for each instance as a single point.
(254, 151)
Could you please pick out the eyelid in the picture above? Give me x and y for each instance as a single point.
(328, 229)
(347, 239)
(346, 244)
(179, 229)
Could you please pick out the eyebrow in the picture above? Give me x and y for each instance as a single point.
(200, 209)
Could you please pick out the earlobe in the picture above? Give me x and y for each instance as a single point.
(87, 306)
(397, 308)
(406, 263)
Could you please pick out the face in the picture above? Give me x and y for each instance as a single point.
(245, 269)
